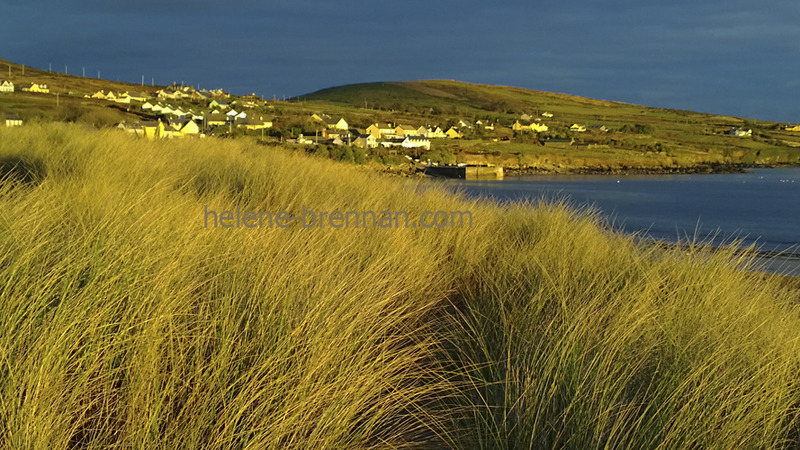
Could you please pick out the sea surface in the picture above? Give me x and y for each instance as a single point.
(760, 207)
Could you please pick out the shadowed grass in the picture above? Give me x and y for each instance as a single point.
(124, 322)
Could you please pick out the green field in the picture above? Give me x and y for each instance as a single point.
(125, 322)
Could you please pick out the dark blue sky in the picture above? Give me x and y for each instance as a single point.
(729, 57)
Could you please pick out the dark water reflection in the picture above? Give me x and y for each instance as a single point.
(761, 206)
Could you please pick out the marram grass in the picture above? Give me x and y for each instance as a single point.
(124, 323)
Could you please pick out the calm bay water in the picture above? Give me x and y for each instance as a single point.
(761, 206)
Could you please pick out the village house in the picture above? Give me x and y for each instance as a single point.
(214, 120)
(435, 133)
(171, 94)
(598, 128)
(332, 133)
(415, 141)
(221, 104)
(330, 122)
(740, 132)
(6, 86)
(387, 130)
(525, 117)
(34, 87)
(251, 123)
(12, 120)
(453, 133)
(393, 142)
(577, 128)
(374, 131)
(302, 139)
(792, 128)
(140, 97)
(404, 130)
(366, 140)
(549, 115)
(189, 127)
(524, 125)
(149, 130)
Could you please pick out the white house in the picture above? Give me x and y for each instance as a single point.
(13, 120)
(6, 86)
(415, 141)
(740, 132)
(436, 132)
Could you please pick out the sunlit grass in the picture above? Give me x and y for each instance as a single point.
(126, 323)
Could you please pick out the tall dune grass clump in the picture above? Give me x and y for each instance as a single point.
(125, 322)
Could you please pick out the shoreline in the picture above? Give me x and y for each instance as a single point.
(510, 171)
(688, 170)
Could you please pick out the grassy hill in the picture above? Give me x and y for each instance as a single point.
(129, 319)
(65, 83)
(65, 102)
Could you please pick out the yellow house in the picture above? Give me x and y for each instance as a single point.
(6, 86)
(99, 95)
(41, 88)
(374, 130)
(154, 130)
(190, 127)
(539, 127)
(329, 122)
(794, 128)
(452, 133)
(404, 130)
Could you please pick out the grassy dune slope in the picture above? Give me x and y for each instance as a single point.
(125, 323)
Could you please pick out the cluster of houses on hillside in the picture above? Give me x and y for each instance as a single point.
(338, 132)
(172, 118)
(123, 97)
(7, 86)
(177, 121)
